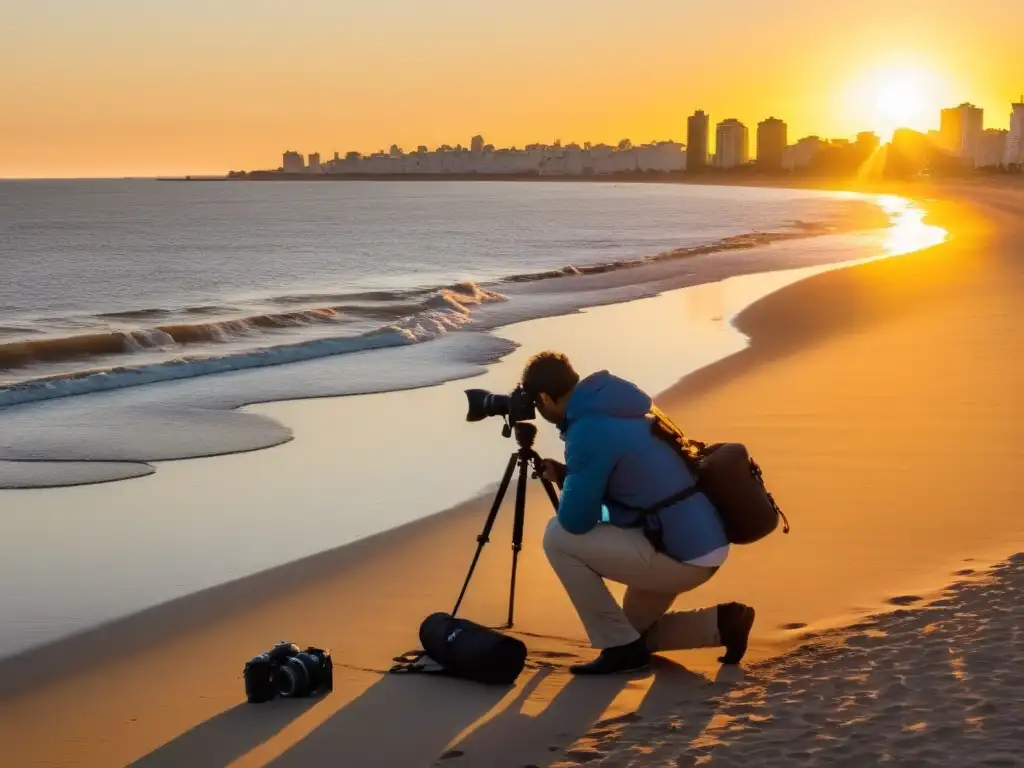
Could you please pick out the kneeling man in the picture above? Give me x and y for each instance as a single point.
(613, 466)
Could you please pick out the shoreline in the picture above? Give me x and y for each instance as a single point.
(858, 300)
(280, 411)
(20, 354)
(708, 336)
(591, 286)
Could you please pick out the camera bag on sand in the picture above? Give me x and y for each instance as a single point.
(729, 477)
(462, 648)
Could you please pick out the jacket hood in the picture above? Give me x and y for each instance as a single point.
(605, 394)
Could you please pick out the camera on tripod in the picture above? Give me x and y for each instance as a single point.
(517, 406)
(287, 672)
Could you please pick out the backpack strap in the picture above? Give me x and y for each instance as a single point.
(688, 450)
(647, 517)
(755, 470)
(654, 509)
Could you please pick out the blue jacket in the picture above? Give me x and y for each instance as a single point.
(611, 456)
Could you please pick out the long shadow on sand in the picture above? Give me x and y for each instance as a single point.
(569, 728)
(227, 736)
(403, 720)
(421, 721)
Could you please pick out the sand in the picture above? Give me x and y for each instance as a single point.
(882, 402)
(936, 685)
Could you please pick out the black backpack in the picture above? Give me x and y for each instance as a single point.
(464, 649)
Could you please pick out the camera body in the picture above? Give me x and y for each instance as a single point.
(287, 672)
(521, 406)
(518, 405)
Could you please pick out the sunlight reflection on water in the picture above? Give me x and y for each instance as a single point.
(909, 231)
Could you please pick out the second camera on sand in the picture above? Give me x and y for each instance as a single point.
(288, 672)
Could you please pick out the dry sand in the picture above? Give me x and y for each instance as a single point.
(934, 685)
(882, 402)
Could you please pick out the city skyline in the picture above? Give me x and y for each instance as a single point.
(962, 137)
(114, 88)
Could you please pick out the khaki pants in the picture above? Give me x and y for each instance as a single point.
(653, 581)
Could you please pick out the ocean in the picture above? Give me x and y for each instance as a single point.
(129, 286)
(104, 274)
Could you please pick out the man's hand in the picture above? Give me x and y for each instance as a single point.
(553, 471)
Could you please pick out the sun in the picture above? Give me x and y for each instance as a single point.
(900, 99)
(886, 98)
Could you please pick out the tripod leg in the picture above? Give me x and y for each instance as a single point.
(517, 532)
(485, 534)
(548, 486)
(552, 494)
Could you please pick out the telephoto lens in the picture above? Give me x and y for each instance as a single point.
(305, 673)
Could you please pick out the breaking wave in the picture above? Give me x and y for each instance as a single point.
(737, 242)
(444, 310)
(343, 322)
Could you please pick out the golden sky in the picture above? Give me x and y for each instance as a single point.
(147, 87)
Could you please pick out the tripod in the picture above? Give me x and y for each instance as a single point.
(524, 457)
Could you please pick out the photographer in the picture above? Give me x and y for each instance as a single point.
(614, 465)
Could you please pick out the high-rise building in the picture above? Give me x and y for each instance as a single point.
(960, 131)
(732, 144)
(991, 148)
(697, 127)
(293, 162)
(772, 137)
(803, 153)
(1014, 153)
(949, 130)
(314, 162)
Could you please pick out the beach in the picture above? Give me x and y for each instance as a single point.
(882, 401)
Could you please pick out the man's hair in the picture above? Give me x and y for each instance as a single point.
(549, 372)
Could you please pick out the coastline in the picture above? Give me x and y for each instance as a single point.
(846, 227)
(184, 523)
(191, 507)
(326, 595)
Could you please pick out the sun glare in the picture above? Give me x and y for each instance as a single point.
(888, 98)
(900, 100)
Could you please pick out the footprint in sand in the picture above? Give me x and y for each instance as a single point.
(903, 600)
(964, 572)
(553, 655)
(628, 717)
(793, 625)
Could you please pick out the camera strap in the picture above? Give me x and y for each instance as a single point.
(415, 662)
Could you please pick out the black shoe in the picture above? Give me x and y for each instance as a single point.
(633, 657)
(734, 623)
